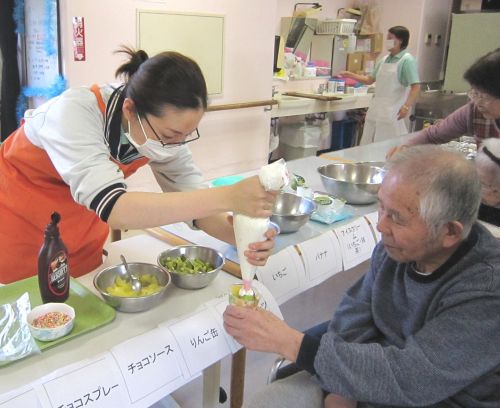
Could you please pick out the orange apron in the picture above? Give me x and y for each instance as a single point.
(30, 190)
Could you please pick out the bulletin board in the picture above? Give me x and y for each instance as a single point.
(198, 36)
(41, 41)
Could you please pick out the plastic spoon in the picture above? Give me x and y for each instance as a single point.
(135, 282)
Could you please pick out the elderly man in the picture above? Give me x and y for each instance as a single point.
(422, 326)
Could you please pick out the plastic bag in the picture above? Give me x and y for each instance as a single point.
(300, 135)
(16, 341)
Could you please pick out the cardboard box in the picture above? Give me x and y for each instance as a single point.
(368, 62)
(363, 44)
(354, 62)
(377, 42)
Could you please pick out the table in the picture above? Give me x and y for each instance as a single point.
(178, 302)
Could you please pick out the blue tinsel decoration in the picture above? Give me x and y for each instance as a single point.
(48, 92)
(57, 87)
(21, 106)
(18, 16)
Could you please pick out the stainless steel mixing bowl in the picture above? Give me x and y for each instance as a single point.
(291, 212)
(106, 278)
(357, 183)
(196, 280)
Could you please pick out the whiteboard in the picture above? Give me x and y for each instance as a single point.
(472, 36)
(42, 68)
(198, 36)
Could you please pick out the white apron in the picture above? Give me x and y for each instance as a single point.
(381, 121)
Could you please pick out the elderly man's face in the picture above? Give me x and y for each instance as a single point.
(404, 233)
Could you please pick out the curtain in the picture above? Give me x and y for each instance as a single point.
(10, 82)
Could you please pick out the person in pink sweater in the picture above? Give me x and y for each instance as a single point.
(479, 118)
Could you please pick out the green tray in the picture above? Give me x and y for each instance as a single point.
(90, 311)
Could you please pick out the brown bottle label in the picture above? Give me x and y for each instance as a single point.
(58, 274)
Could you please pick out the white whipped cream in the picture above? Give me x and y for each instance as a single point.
(246, 292)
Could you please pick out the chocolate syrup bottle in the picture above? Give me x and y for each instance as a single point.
(53, 269)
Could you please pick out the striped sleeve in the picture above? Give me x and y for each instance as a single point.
(104, 201)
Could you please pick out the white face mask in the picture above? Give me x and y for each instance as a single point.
(152, 149)
(389, 44)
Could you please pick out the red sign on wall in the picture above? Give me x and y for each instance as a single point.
(78, 39)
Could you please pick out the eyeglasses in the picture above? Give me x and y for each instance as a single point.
(191, 137)
(476, 96)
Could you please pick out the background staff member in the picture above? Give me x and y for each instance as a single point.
(392, 102)
(73, 153)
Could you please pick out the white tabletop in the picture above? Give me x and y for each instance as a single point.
(307, 168)
(177, 302)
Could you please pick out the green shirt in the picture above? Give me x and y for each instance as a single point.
(407, 70)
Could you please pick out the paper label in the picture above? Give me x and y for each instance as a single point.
(322, 257)
(356, 242)
(149, 362)
(283, 274)
(201, 340)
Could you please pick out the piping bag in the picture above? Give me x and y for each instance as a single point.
(247, 229)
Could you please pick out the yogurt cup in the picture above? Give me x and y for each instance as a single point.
(323, 205)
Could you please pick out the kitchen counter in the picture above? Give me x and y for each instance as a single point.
(315, 106)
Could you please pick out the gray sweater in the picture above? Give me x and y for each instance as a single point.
(403, 339)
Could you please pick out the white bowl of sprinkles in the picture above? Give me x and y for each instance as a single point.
(51, 321)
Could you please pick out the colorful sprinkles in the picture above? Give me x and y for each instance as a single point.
(51, 320)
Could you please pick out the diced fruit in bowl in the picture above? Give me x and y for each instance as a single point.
(191, 266)
(117, 292)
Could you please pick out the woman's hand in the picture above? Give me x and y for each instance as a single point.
(258, 252)
(248, 197)
(336, 401)
(403, 112)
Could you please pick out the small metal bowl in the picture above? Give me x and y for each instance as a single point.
(198, 280)
(357, 183)
(291, 212)
(106, 278)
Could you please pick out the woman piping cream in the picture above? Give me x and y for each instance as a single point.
(73, 153)
(392, 102)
